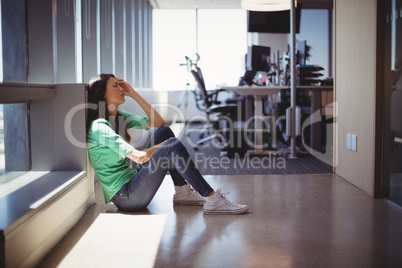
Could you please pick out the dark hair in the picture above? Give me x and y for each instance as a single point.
(96, 90)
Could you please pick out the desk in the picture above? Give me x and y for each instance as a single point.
(258, 92)
(316, 104)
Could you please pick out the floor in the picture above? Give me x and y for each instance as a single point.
(277, 162)
(294, 221)
(210, 159)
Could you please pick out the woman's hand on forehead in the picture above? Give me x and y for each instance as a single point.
(126, 86)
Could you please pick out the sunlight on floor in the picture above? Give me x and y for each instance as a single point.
(118, 240)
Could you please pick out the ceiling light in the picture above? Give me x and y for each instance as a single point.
(266, 5)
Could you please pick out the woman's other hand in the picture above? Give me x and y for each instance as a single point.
(140, 157)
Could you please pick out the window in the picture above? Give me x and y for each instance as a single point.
(222, 36)
(221, 42)
(14, 141)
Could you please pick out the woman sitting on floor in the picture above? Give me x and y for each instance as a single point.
(108, 146)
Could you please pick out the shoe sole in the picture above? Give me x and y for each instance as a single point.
(225, 212)
(189, 203)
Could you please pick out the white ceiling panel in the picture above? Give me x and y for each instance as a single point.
(226, 4)
(191, 4)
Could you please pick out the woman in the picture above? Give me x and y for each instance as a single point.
(108, 146)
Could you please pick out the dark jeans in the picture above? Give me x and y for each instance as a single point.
(172, 156)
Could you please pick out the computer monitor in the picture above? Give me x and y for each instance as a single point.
(257, 58)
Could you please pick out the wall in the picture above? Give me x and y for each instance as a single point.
(58, 130)
(273, 40)
(355, 89)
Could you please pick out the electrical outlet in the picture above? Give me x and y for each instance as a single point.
(354, 143)
(349, 141)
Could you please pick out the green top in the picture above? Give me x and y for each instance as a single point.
(108, 151)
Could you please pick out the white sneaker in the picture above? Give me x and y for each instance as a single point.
(218, 204)
(187, 196)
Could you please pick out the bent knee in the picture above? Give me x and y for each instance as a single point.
(165, 131)
(172, 140)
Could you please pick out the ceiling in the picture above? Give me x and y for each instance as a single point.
(227, 4)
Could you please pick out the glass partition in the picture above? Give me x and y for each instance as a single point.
(392, 99)
(2, 158)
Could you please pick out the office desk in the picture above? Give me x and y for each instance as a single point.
(258, 92)
(316, 104)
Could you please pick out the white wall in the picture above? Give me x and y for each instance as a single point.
(275, 41)
(51, 145)
(355, 90)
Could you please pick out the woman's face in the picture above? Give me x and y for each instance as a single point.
(114, 94)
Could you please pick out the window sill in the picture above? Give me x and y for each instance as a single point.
(39, 189)
(24, 92)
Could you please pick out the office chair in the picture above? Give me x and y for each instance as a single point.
(207, 101)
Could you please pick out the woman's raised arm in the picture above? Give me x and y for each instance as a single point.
(155, 119)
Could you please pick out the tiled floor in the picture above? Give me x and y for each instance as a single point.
(294, 221)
